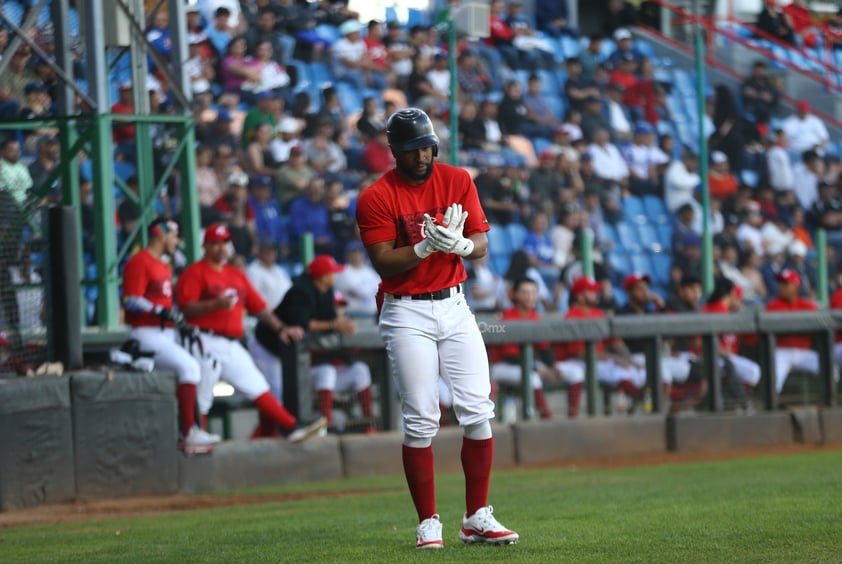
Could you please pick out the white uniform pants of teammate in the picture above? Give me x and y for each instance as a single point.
(788, 359)
(343, 379)
(169, 355)
(610, 373)
(511, 374)
(674, 369)
(746, 369)
(425, 338)
(269, 365)
(229, 361)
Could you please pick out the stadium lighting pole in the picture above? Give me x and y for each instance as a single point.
(707, 236)
(452, 105)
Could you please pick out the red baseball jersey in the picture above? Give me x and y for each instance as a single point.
(728, 341)
(836, 303)
(150, 278)
(574, 349)
(500, 353)
(391, 210)
(201, 281)
(799, 304)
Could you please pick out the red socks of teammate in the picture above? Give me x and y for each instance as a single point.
(477, 456)
(419, 469)
(186, 396)
(541, 404)
(270, 407)
(574, 399)
(325, 398)
(366, 402)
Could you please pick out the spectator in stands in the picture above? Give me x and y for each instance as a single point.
(471, 127)
(771, 21)
(624, 72)
(619, 117)
(45, 161)
(439, 74)
(578, 88)
(258, 158)
(513, 115)
(358, 282)
(804, 130)
(262, 112)
(572, 125)
(792, 351)
(499, 200)
(563, 233)
(593, 119)
(826, 213)
(238, 213)
(268, 219)
(269, 279)
(733, 134)
(239, 73)
(721, 183)
(377, 53)
(797, 262)
(608, 162)
(273, 77)
(808, 174)
(198, 67)
(399, 53)
(265, 28)
(535, 51)
(620, 15)
(545, 183)
(419, 88)
(158, 36)
(779, 166)
(341, 219)
(36, 104)
(332, 110)
(351, 62)
(287, 139)
(484, 289)
(506, 362)
(645, 160)
(123, 134)
(218, 132)
(798, 16)
(474, 80)
(14, 174)
(377, 156)
(749, 233)
(750, 269)
(520, 268)
(681, 180)
(538, 246)
(760, 96)
(324, 155)
(221, 32)
(538, 108)
(15, 77)
(371, 120)
(552, 18)
(294, 177)
(308, 213)
(501, 35)
(625, 49)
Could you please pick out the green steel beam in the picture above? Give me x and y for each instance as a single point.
(106, 259)
(190, 220)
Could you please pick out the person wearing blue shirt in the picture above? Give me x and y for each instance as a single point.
(309, 214)
(269, 221)
(538, 246)
(552, 18)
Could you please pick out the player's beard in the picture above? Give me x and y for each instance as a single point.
(411, 173)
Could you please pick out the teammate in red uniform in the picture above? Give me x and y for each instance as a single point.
(214, 295)
(836, 303)
(418, 221)
(505, 359)
(615, 366)
(148, 301)
(793, 350)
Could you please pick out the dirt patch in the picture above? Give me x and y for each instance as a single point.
(79, 511)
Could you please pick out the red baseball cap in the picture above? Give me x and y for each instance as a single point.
(585, 284)
(215, 233)
(802, 106)
(788, 275)
(323, 264)
(634, 278)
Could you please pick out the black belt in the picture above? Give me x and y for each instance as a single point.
(442, 294)
(215, 334)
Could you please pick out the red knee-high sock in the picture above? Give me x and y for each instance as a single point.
(542, 405)
(325, 398)
(418, 466)
(574, 399)
(186, 395)
(628, 388)
(366, 403)
(476, 464)
(270, 407)
(205, 421)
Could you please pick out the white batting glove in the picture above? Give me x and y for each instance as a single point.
(447, 241)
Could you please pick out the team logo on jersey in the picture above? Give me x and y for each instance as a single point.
(411, 227)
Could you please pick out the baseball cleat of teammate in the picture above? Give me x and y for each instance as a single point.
(418, 222)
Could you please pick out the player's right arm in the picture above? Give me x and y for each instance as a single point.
(389, 261)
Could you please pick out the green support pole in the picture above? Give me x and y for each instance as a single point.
(145, 175)
(306, 249)
(454, 85)
(69, 164)
(821, 268)
(106, 247)
(592, 386)
(190, 221)
(527, 366)
(707, 235)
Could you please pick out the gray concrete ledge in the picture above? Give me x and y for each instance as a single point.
(706, 433)
(831, 425)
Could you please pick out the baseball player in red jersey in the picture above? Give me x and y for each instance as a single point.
(418, 221)
(614, 367)
(836, 303)
(505, 359)
(792, 351)
(213, 296)
(148, 301)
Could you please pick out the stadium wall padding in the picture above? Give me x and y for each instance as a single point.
(36, 442)
(124, 433)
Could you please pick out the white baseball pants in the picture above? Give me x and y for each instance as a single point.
(343, 379)
(610, 373)
(236, 365)
(169, 355)
(269, 365)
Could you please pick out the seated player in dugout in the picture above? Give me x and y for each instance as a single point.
(505, 359)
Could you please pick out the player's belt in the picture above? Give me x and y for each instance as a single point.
(215, 334)
(437, 295)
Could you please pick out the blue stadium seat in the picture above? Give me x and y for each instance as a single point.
(570, 47)
(665, 235)
(620, 296)
(327, 32)
(655, 208)
(648, 237)
(517, 233)
(620, 263)
(557, 104)
(641, 262)
(611, 236)
(320, 74)
(349, 98)
(498, 240)
(645, 48)
(661, 264)
(541, 143)
(627, 236)
(633, 209)
(13, 11)
(549, 83)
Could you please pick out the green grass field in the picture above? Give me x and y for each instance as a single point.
(765, 509)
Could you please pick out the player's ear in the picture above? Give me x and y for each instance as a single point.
(435, 151)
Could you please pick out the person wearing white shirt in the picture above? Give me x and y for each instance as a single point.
(617, 114)
(607, 160)
(358, 282)
(807, 174)
(484, 290)
(749, 234)
(680, 182)
(269, 279)
(779, 165)
(776, 234)
(644, 160)
(804, 130)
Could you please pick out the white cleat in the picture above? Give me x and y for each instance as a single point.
(308, 432)
(428, 534)
(483, 527)
(198, 437)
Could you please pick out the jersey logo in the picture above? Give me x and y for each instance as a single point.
(410, 228)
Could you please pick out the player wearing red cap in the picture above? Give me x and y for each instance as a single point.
(505, 359)
(615, 366)
(792, 351)
(148, 301)
(310, 303)
(418, 221)
(214, 296)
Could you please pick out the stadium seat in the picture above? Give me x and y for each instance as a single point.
(570, 47)
(633, 209)
(665, 235)
(648, 237)
(541, 143)
(13, 12)
(557, 104)
(627, 236)
(656, 210)
(500, 263)
(320, 74)
(327, 32)
(517, 233)
(641, 262)
(661, 265)
(610, 234)
(498, 240)
(349, 98)
(620, 263)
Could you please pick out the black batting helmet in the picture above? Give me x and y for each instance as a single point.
(411, 129)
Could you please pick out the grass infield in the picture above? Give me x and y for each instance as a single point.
(764, 509)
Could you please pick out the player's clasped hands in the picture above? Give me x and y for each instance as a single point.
(448, 237)
(291, 334)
